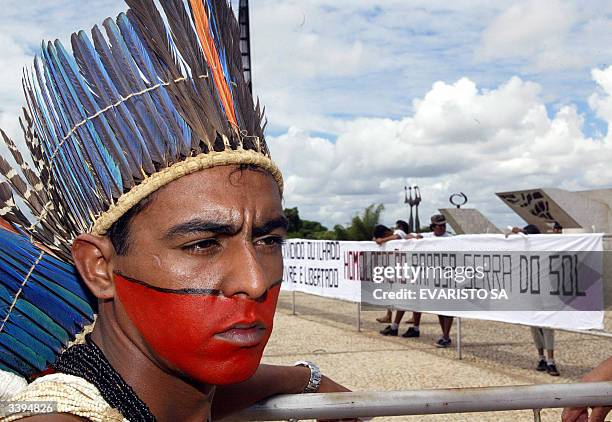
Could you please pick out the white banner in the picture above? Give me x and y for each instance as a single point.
(544, 278)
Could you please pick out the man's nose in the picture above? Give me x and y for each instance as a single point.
(246, 275)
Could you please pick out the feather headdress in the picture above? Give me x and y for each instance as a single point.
(151, 96)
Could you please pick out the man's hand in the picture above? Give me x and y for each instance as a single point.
(603, 372)
(580, 414)
(515, 230)
(268, 381)
(330, 386)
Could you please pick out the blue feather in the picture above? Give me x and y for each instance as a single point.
(130, 133)
(98, 80)
(78, 187)
(40, 106)
(214, 32)
(24, 352)
(42, 320)
(24, 322)
(196, 94)
(13, 362)
(79, 92)
(40, 348)
(65, 92)
(145, 113)
(160, 95)
(34, 315)
(64, 306)
(53, 306)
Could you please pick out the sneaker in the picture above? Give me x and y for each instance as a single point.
(388, 331)
(443, 343)
(552, 370)
(411, 332)
(542, 366)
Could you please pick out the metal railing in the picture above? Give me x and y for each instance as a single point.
(423, 402)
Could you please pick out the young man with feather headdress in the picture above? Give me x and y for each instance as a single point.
(152, 179)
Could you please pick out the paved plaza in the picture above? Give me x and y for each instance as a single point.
(324, 331)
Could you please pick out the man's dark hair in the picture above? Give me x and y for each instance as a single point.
(531, 229)
(381, 231)
(402, 225)
(119, 232)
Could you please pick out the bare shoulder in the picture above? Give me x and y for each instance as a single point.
(53, 417)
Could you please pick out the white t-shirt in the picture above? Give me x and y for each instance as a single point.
(431, 234)
(402, 234)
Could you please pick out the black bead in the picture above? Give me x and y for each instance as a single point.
(87, 361)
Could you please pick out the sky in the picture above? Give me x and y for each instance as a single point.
(363, 97)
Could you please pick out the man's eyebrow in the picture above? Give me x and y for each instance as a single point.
(198, 225)
(270, 225)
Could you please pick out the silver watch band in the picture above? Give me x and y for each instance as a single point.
(315, 376)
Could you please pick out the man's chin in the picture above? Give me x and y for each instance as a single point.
(229, 370)
(236, 377)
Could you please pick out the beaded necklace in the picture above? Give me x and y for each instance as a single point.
(87, 361)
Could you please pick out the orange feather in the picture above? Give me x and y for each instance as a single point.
(212, 58)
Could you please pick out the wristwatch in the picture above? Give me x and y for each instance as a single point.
(315, 376)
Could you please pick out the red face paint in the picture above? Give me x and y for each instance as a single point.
(192, 329)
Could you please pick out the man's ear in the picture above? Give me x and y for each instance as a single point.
(93, 257)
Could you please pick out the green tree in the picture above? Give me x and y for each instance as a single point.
(295, 223)
(362, 226)
(304, 229)
(340, 233)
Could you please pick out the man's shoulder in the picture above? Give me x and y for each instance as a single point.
(74, 397)
(402, 234)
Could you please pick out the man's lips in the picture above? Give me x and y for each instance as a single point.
(244, 334)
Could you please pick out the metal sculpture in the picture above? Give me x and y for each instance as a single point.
(414, 224)
(458, 204)
(417, 202)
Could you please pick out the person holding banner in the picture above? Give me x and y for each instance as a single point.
(438, 229)
(543, 338)
(381, 232)
(400, 233)
(384, 234)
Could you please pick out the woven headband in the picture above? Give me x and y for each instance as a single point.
(183, 168)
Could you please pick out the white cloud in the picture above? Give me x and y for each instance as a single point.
(547, 35)
(528, 27)
(459, 138)
(601, 102)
